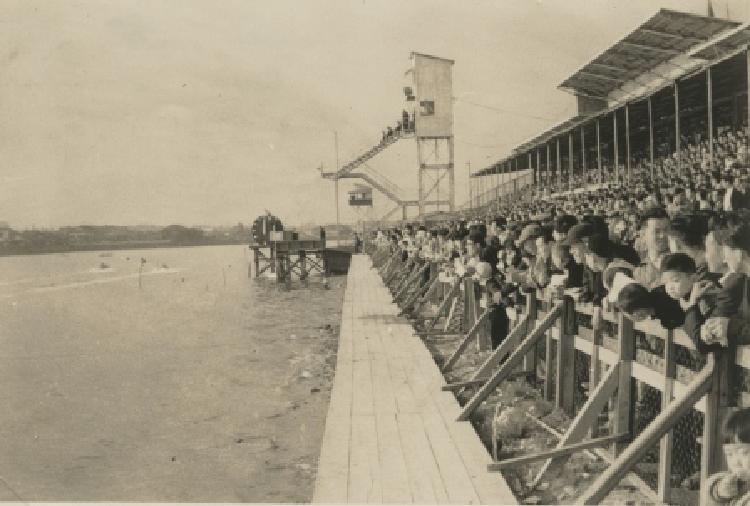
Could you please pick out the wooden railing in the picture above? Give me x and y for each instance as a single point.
(614, 360)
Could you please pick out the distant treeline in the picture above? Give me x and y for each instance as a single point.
(99, 238)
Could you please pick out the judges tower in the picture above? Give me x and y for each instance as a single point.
(430, 99)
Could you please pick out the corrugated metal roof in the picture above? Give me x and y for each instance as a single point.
(664, 36)
(735, 42)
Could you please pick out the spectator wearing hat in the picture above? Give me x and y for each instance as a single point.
(562, 225)
(598, 256)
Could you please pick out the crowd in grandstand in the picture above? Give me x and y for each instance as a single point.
(729, 151)
(675, 248)
(641, 234)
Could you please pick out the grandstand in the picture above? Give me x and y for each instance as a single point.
(670, 97)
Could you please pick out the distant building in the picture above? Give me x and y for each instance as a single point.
(7, 234)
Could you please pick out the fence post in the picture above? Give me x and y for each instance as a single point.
(529, 361)
(437, 296)
(717, 400)
(565, 383)
(624, 409)
(664, 488)
(469, 316)
(595, 370)
(549, 363)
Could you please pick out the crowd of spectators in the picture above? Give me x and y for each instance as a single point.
(730, 150)
(675, 249)
(672, 246)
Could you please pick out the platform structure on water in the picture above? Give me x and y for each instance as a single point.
(285, 258)
(300, 258)
(391, 433)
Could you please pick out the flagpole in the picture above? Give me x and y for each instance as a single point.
(336, 143)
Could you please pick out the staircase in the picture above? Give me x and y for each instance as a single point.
(378, 181)
(373, 177)
(367, 155)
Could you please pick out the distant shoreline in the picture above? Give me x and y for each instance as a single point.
(6, 252)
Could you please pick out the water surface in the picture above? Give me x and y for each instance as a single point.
(201, 385)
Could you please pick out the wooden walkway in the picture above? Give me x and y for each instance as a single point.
(391, 434)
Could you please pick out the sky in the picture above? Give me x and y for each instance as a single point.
(200, 112)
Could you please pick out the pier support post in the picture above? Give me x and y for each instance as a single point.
(302, 265)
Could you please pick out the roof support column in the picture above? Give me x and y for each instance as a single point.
(533, 174)
(599, 153)
(616, 147)
(504, 176)
(471, 187)
(559, 166)
(710, 110)
(451, 177)
(570, 160)
(481, 190)
(420, 179)
(583, 155)
(677, 126)
(476, 192)
(747, 54)
(497, 170)
(549, 173)
(627, 141)
(539, 167)
(650, 138)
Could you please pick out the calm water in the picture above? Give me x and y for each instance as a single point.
(199, 386)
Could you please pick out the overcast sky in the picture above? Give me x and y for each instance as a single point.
(205, 112)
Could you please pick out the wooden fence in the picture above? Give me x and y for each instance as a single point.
(614, 364)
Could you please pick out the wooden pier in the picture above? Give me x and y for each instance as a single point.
(391, 433)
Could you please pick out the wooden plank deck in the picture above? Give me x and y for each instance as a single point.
(391, 434)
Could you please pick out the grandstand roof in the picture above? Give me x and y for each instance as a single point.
(689, 39)
(539, 139)
(553, 132)
(664, 36)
